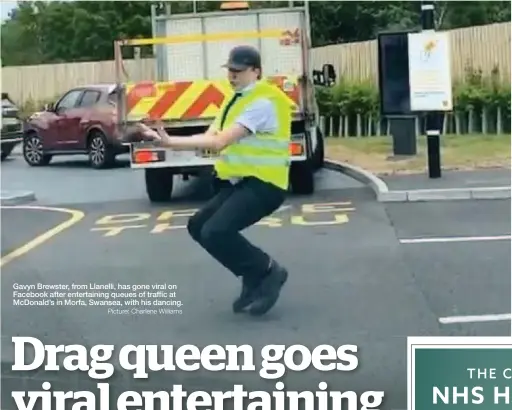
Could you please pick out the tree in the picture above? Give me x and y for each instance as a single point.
(64, 31)
(457, 14)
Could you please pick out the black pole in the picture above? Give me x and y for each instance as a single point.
(433, 119)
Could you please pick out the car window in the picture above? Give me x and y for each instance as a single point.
(90, 98)
(112, 97)
(69, 100)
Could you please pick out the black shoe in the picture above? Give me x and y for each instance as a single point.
(269, 290)
(247, 296)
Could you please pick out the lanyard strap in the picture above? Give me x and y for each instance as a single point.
(228, 107)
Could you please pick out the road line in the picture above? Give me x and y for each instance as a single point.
(474, 319)
(456, 239)
(76, 216)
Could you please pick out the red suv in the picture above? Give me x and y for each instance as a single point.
(81, 122)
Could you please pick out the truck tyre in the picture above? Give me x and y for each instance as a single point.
(319, 155)
(302, 178)
(159, 184)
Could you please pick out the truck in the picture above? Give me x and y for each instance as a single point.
(190, 85)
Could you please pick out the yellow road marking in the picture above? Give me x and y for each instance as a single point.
(338, 219)
(76, 216)
(113, 225)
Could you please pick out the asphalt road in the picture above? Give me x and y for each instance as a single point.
(360, 273)
(69, 180)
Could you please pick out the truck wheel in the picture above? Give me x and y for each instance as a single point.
(319, 155)
(159, 183)
(302, 178)
(6, 150)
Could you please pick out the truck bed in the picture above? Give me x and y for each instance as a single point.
(192, 83)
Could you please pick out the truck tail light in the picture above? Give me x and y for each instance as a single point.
(296, 148)
(145, 156)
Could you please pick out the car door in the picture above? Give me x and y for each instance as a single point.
(63, 129)
(87, 101)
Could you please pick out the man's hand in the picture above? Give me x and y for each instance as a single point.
(148, 133)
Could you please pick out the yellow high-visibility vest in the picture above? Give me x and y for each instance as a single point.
(265, 156)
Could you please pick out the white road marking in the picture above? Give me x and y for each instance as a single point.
(456, 239)
(474, 319)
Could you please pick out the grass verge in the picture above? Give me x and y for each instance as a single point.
(458, 152)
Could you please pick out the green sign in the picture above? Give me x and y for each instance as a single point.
(460, 377)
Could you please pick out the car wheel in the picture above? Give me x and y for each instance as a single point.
(101, 154)
(33, 151)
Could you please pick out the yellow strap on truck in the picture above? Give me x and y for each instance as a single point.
(191, 38)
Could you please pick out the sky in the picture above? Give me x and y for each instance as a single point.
(7, 6)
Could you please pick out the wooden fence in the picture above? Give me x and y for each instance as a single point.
(481, 47)
(484, 47)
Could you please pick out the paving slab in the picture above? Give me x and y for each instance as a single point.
(452, 186)
(449, 180)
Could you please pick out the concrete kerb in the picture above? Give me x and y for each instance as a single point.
(359, 174)
(16, 197)
(383, 193)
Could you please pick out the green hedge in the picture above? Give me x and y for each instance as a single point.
(481, 104)
(476, 92)
(31, 106)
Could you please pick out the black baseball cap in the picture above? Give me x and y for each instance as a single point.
(243, 57)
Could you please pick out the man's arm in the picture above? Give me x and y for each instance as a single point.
(253, 119)
(211, 130)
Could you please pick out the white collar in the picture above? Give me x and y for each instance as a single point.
(246, 88)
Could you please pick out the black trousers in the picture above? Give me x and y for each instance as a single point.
(216, 227)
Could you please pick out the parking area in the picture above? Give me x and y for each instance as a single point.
(21, 226)
(360, 273)
(459, 253)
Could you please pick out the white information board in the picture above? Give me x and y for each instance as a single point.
(430, 71)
